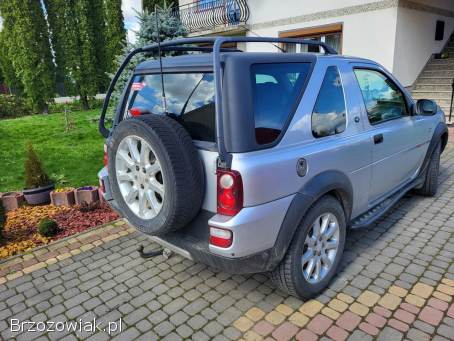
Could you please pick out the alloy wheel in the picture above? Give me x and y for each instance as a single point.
(320, 248)
(139, 177)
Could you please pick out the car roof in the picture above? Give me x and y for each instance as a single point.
(205, 60)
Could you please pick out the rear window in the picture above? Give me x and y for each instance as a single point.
(276, 89)
(189, 98)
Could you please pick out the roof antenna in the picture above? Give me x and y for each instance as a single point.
(164, 102)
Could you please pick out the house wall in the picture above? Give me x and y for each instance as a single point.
(415, 38)
(399, 34)
(362, 21)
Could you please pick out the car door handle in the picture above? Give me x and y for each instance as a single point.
(378, 138)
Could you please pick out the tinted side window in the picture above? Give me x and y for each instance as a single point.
(276, 88)
(328, 117)
(383, 99)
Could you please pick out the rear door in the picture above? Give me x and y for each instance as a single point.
(398, 138)
(190, 101)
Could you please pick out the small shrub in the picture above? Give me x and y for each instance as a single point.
(12, 106)
(48, 227)
(34, 173)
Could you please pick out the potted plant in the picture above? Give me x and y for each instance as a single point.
(38, 185)
(12, 200)
(87, 195)
(63, 197)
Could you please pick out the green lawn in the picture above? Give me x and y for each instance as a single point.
(72, 158)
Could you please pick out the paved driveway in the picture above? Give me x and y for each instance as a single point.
(397, 281)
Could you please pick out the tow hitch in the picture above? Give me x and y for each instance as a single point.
(166, 253)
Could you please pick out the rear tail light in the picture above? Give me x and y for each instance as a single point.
(230, 192)
(135, 112)
(220, 237)
(106, 159)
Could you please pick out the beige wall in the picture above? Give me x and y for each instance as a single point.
(267, 10)
(362, 31)
(399, 34)
(415, 41)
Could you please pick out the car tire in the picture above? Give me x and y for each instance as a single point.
(175, 171)
(430, 185)
(291, 274)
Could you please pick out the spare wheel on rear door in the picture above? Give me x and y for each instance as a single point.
(156, 174)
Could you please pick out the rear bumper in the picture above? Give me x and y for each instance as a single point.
(192, 242)
(255, 231)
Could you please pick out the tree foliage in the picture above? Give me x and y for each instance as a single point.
(115, 32)
(8, 74)
(149, 5)
(78, 33)
(25, 39)
(54, 9)
(71, 43)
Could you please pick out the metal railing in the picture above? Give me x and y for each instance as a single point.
(212, 14)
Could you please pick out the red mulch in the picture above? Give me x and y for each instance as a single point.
(75, 221)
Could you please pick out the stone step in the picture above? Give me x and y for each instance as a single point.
(431, 94)
(439, 67)
(437, 73)
(446, 110)
(448, 60)
(432, 87)
(434, 80)
(444, 103)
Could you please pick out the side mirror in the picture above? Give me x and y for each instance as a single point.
(426, 107)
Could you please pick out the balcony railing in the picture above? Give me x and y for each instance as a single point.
(209, 15)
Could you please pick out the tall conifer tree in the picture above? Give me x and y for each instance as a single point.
(115, 31)
(56, 19)
(78, 32)
(28, 49)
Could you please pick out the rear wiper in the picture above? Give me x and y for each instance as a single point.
(189, 97)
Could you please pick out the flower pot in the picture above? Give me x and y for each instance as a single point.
(86, 194)
(65, 198)
(38, 196)
(12, 200)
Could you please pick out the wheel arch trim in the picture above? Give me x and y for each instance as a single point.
(440, 134)
(324, 183)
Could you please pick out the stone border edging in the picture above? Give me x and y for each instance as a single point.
(56, 242)
(40, 257)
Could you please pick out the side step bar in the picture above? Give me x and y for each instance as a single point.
(379, 210)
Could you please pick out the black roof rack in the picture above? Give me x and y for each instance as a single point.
(178, 45)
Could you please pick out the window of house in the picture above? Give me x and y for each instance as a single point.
(329, 34)
(276, 88)
(383, 99)
(329, 115)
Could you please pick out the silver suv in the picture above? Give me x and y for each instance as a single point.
(261, 162)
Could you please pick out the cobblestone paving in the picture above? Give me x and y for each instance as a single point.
(396, 282)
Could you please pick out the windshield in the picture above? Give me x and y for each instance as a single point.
(189, 98)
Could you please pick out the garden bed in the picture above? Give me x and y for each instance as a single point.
(20, 231)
